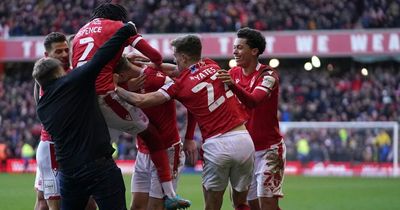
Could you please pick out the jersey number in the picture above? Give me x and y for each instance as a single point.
(89, 41)
(212, 103)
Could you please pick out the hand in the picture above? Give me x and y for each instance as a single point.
(134, 26)
(225, 77)
(170, 69)
(190, 148)
(135, 84)
(115, 80)
(137, 59)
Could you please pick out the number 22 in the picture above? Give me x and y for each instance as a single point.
(212, 104)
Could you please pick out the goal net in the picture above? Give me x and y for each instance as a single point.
(342, 148)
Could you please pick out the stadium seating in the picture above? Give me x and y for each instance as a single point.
(21, 17)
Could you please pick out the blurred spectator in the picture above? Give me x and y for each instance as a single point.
(27, 154)
(303, 149)
(383, 142)
(39, 17)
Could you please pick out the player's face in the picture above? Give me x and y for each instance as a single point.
(242, 52)
(179, 59)
(60, 51)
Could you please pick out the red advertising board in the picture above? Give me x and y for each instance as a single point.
(292, 168)
(340, 43)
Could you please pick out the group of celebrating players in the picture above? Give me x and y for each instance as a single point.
(87, 86)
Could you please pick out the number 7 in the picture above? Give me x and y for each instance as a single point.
(90, 44)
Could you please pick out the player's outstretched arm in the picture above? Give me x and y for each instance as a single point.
(141, 100)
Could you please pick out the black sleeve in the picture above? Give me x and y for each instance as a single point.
(105, 53)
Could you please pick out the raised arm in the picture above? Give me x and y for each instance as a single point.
(146, 49)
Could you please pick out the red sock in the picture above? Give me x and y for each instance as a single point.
(160, 160)
(242, 207)
(158, 153)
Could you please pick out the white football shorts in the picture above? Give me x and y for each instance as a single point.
(46, 175)
(268, 176)
(122, 116)
(145, 178)
(228, 157)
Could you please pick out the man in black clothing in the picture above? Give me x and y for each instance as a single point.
(70, 112)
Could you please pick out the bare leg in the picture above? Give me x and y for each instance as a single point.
(139, 201)
(269, 203)
(54, 204)
(40, 201)
(213, 199)
(155, 204)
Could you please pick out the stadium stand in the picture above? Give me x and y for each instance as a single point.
(39, 17)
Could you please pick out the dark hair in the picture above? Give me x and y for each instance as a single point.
(122, 65)
(53, 37)
(44, 69)
(110, 11)
(253, 38)
(189, 45)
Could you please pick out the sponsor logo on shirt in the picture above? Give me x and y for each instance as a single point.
(193, 69)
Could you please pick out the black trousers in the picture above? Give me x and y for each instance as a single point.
(101, 178)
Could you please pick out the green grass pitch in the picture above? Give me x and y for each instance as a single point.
(301, 193)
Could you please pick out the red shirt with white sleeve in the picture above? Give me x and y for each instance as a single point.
(207, 98)
(258, 92)
(163, 117)
(92, 36)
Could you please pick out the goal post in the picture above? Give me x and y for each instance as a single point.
(293, 130)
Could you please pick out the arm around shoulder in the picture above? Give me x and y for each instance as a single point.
(141, 100)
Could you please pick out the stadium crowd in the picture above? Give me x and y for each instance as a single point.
(352, 97)
(39, 17)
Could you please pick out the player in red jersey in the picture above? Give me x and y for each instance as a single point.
(46, 181)
(145, 186)
(228, 148)
(106, 20)
(257, 87)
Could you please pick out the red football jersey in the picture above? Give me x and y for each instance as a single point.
(163, 117)
(263, 124)
(207, 98)
(89, 39)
